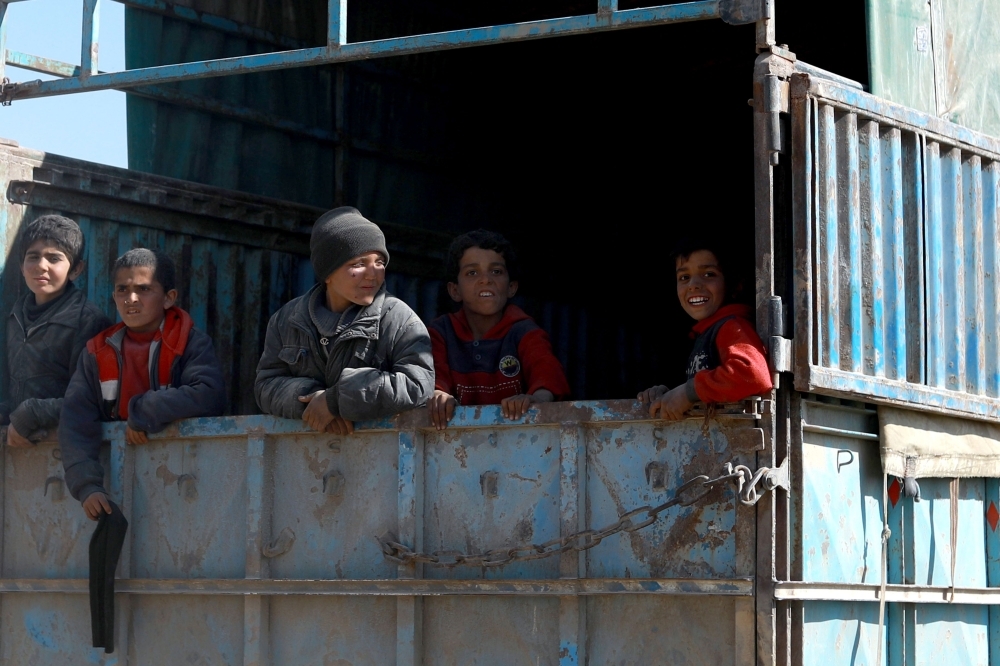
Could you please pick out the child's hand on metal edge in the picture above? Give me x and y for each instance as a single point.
(317, 415)
(672, 405)
(517, 406)
(135, 437)
(340, 426)
(96, 504)
(441, 407)
(651, 394)
(16, 439)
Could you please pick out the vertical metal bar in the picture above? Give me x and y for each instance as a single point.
(935, 323)
(572, 518)
(409, 629)
(3, 39)
(953, 268)
(828, 238)
(765, 27)
(803, 197)
(893, 257)
(991, 283)
(850, 239)
(337, 27)
(873, 289)
(992, 499)
(915, 216)
(90, 36)
(255, 606)
(974, 288)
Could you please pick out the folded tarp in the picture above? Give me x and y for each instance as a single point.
(918, 445)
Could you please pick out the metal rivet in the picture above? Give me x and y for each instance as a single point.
(478, 357)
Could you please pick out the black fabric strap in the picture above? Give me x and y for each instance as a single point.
(105, 548)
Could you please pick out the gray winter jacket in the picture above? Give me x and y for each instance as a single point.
(41, 358)
(379, 365)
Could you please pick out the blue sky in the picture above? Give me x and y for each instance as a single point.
(89, 126)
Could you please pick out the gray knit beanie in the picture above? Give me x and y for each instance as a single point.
(341, 234)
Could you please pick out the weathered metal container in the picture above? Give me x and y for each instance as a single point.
(252, 541)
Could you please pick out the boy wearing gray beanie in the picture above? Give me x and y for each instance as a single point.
(346, 350)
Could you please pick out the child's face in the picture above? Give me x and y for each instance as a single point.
(484, 285)
(701, 287)
(357, 282)
(140, 299)
(46, 270)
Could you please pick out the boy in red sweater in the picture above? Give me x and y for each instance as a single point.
(728, 362)
(489, 352)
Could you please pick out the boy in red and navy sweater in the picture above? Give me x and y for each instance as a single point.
(727, 362)
(490, 351)
(151, 369)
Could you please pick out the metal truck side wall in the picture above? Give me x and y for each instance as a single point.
(896, 225)
(251, 541)
(836, 553)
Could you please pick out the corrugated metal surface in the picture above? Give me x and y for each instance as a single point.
(206, 576)
(938, 56)
(896, 224)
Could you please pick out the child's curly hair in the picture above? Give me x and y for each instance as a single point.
(487, 240)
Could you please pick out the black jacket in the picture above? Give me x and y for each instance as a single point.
(41, 358)
(379, 365)
(196, 389)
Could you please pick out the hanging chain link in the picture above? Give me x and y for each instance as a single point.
(694, 490)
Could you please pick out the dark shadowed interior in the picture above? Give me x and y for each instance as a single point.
(592, 153)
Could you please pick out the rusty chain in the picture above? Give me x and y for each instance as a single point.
(692, 491)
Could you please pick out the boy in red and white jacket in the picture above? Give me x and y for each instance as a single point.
(727, 362)
(489, 352)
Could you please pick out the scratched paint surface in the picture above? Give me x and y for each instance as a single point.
(48, 632)
(840, 634)
(648, 630)
(189, 507)
(697, 541)
(321, 630)
(841, 499)
(46, 533)
(334, 528)
(472, 630)
(202, 630)
(467, 510)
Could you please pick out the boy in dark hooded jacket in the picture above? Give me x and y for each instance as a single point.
(346, 350)
(151, 369)
(47, 328)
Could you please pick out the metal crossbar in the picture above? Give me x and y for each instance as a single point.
(86, 77)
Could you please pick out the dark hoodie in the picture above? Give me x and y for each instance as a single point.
(185, 382)
(43, 346)
(513, 358)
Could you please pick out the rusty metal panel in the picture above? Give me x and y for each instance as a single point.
(252, 541)
(896, 235)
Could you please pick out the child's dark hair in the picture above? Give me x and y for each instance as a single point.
(685, 246)
(140, 257)
(61, 231)
(487, 240)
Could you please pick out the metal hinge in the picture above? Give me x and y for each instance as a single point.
(779, 347)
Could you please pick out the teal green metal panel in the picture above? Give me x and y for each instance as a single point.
(938, 56)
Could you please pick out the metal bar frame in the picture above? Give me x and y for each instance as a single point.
(339, 50)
